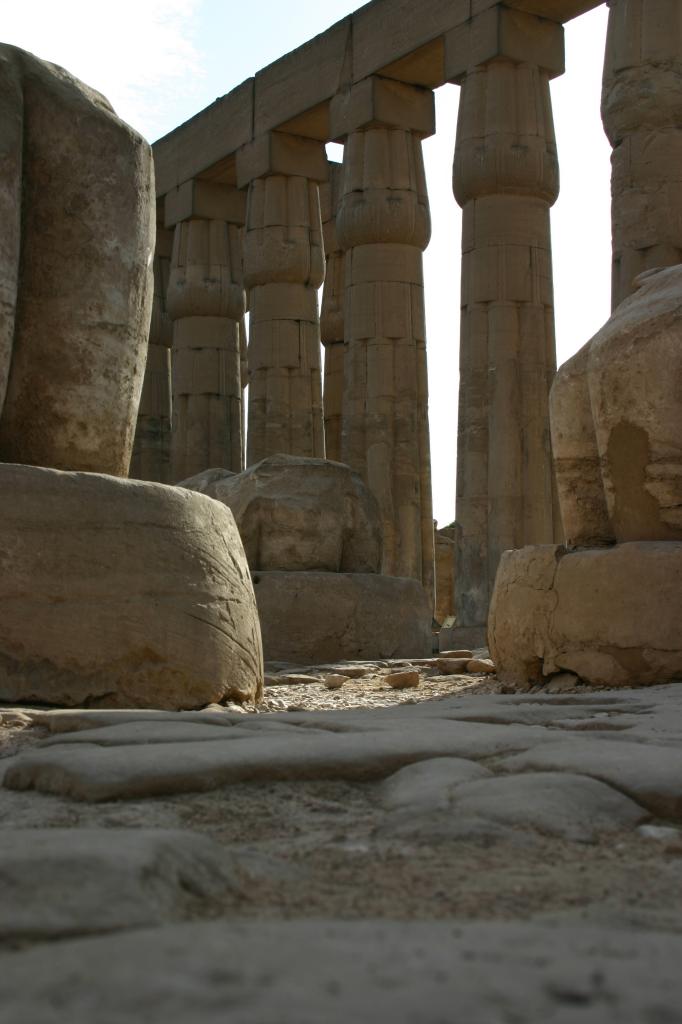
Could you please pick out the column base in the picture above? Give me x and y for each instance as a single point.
(609, 615)
(312, 617)
(117, 593)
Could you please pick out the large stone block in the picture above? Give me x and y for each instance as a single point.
(313, 617)
(77, 215)
(299, 514)
(610, 615)
(121, 594)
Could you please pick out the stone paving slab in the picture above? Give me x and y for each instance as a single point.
(308, 972)
(88, 771)
(58, 881)
(649, 773)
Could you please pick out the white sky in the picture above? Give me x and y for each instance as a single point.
(160, 61)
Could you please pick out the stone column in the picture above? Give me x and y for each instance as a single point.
(642, 114)
(206, 302)
(151, 449)
(506, 178)
(283, 269)
(331, 318)
(383, 225)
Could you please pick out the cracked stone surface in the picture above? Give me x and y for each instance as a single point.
(475, 856)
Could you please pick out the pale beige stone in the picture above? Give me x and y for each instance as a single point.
(403, 680)
(452, 665)
(313, 617)
(484, 665)
(75, 270)
(506, 178)
(609, 615)
(383, 224)
(300, 514)
(335, 681)
(121, 593)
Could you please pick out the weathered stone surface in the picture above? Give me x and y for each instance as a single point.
(403, 680)
(312, 617)
(428, 785)
(56, 882)
(335, 746)
(446, 541)
(300, 514)
(506, 178)
(283, 269)
(650, 774)
(562, 804)
(121, 593)
(383, 225)
(75, 271)
(335, 971)
(642, 114)
(609, 615)
(616, 441)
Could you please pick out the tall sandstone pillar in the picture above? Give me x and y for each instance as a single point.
(283, 270)
(151, 449)
(331, 317)
(383, 225)
(206, 302)
(506, 178)
(642, 114)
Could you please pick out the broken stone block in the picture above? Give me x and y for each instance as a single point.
(118, 593)
(609, 615)
(402, 680)
(77, 212)
(298, 514)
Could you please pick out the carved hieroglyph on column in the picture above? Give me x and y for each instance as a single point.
(283, 269)
(151, 450)
(206, 302)
(642, 113)
(383, 225)
(331, 318)
(505, 179)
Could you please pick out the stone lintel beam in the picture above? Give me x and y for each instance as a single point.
(499, 33)
(382, 103)
(555, 10)
(204, 200)
(280, 153)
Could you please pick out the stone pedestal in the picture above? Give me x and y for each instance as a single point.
(611, 615)
(383, 224)
(313, 617)
(506, 178)
(118, 593)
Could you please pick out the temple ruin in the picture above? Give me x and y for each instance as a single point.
(273, 748)
(252, 168)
